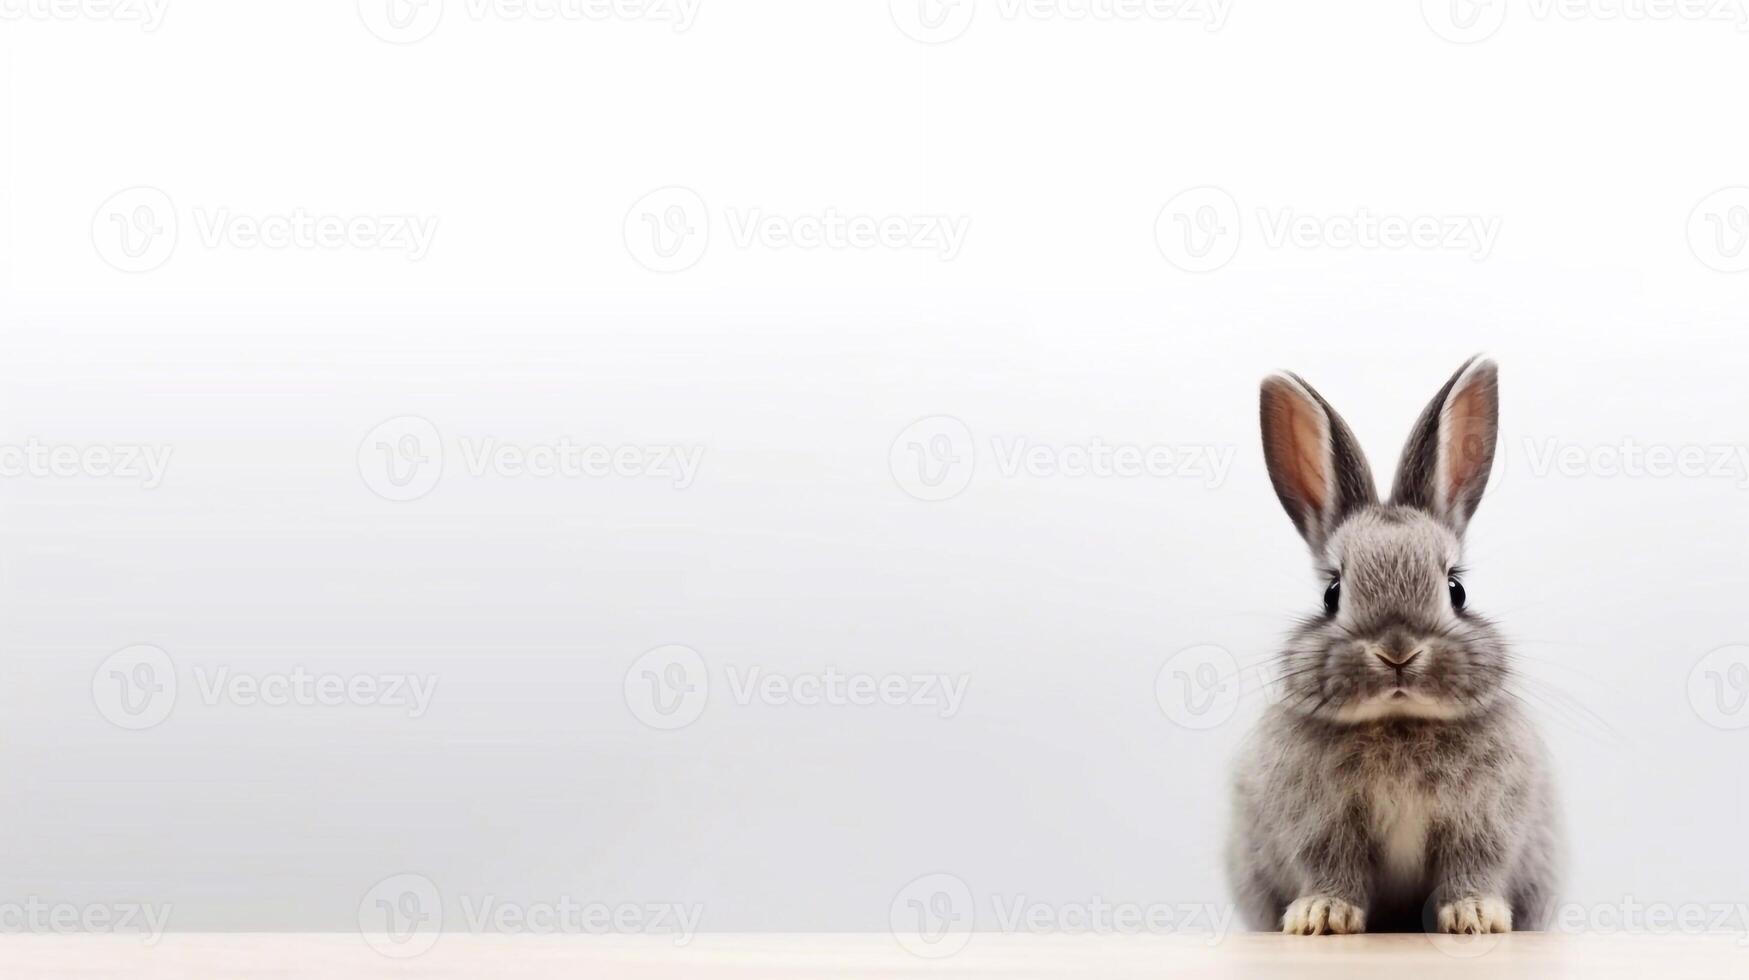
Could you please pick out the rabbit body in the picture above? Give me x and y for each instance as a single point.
(1395, 785)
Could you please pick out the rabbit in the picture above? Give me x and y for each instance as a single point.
(1395, 785)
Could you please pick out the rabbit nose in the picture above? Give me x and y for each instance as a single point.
(1399, 658)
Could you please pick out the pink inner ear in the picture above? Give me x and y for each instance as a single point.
(1309, 453)
(1297, 443)
(1469, 439)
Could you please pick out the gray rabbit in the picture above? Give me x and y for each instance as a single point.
(1396, 785)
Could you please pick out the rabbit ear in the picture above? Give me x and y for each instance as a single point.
(1314, 461)
(1451, 449)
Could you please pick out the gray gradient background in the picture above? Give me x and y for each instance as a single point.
(1061, 598)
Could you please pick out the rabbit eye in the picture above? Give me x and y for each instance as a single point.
(1457, 593)
(1333, 596)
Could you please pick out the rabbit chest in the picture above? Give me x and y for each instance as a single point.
(1400, 811)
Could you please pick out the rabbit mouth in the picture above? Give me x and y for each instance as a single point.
(1399, 701)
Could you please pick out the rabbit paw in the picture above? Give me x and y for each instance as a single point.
(1475, 916)
(1315, 915)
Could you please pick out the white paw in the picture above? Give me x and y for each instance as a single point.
(1315, 915)
(1475, 916)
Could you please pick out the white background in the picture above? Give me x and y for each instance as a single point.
(535, 315)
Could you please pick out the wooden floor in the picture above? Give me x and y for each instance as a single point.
(773, 957)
